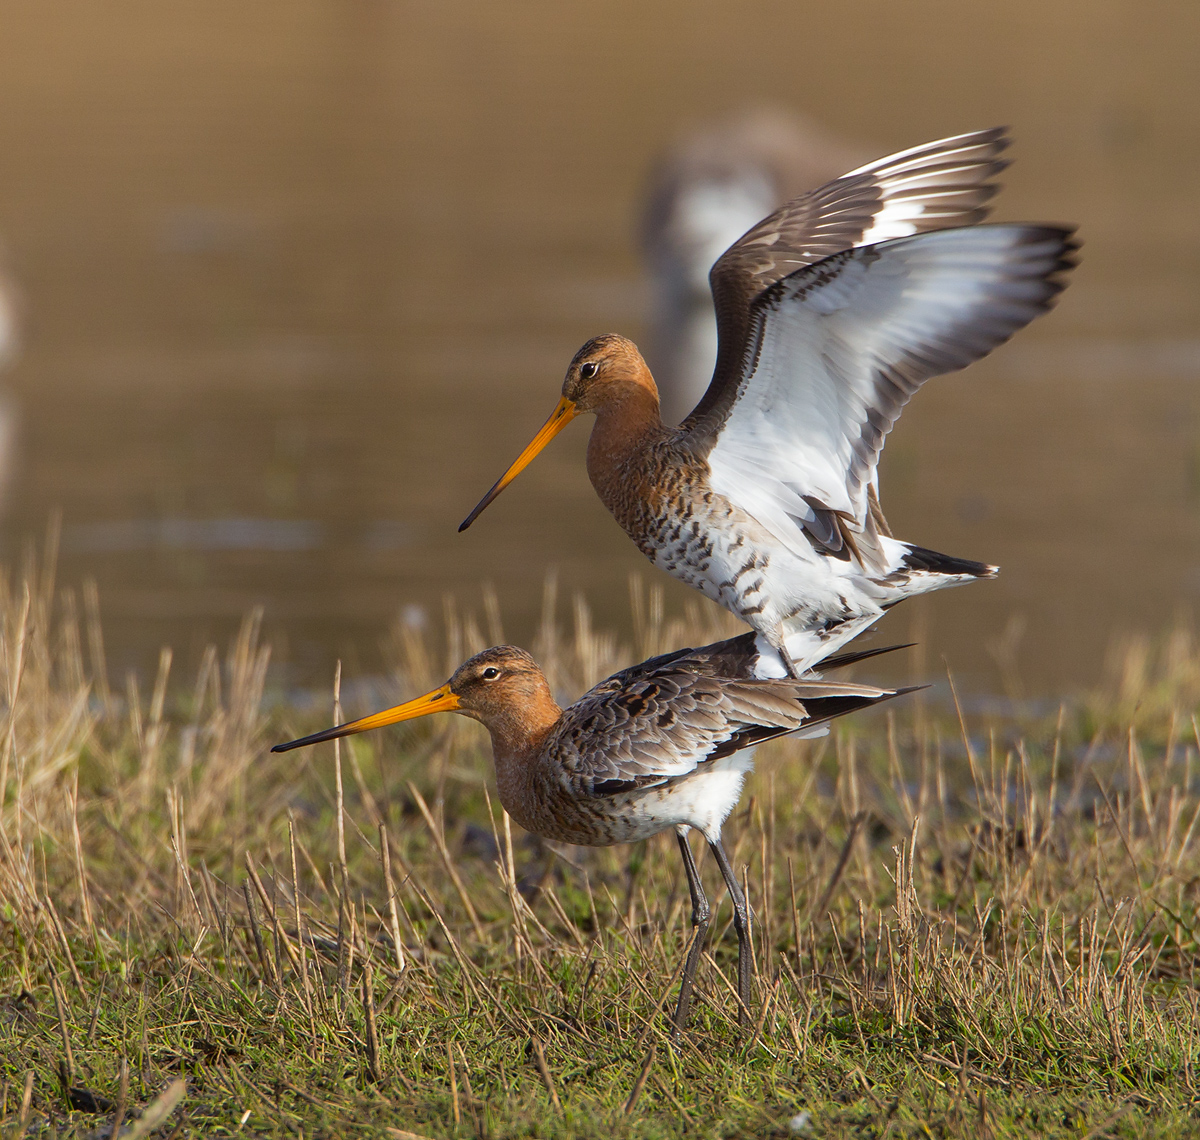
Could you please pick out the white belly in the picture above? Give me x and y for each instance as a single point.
(702, 800)
(745, 569)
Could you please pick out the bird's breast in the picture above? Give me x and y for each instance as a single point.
(649, 489)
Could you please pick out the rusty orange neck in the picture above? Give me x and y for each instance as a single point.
(518, 729)
(626, 424)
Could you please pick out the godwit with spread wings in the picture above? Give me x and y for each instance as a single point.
(832, 313)
(661, 746)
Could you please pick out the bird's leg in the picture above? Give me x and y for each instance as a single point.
(778, 642)
(741, 922)
(700, 918)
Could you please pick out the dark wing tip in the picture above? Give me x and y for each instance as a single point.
(1072, 242)
(841, 660)
(892, 694)
(999, 135)
(998, 138)
(1066, 257)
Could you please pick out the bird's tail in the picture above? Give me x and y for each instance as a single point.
(923, 560)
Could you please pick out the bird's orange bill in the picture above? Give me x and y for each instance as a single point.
(440, 700)
(562, 415)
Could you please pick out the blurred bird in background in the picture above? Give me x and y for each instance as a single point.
(706, 190)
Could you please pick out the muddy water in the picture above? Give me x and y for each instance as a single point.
(300, 279)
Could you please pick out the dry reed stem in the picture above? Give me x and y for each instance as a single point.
(26, 1101)
(447, 861)
(337, 769)
(389, 884)
(372, 1042)
(122, 1099)
(539, 1057)
(61, 1011)
(299, 920)
(155, 1114)
(264, 962)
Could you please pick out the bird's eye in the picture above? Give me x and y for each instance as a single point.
(490, 673)
(589, 370)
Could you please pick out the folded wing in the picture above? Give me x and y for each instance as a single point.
(635, 733)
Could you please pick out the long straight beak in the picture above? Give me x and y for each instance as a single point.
(562, 415)
(440, 700)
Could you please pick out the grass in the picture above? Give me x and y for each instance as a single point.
(964, 927)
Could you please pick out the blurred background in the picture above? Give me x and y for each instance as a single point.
(296, 281)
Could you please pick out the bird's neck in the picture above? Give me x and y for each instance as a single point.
(626, 425)
(518, 732)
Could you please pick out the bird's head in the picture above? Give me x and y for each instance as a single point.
(601, 372)
(498, 686)
(604, 372)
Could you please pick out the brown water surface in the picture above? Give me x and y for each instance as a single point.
(301, 278)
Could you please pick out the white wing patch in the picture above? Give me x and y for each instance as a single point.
(924, 186)
(843, 345)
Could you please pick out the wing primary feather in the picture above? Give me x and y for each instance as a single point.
(840, 347)
(932, 186)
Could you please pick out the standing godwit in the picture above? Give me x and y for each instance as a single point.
(704, 191)
(656, 747)
(766, 497)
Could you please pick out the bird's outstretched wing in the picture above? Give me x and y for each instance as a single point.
(935, 186)
(837, 350)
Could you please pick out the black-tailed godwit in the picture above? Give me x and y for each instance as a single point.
(832, 313)
(660, 746)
